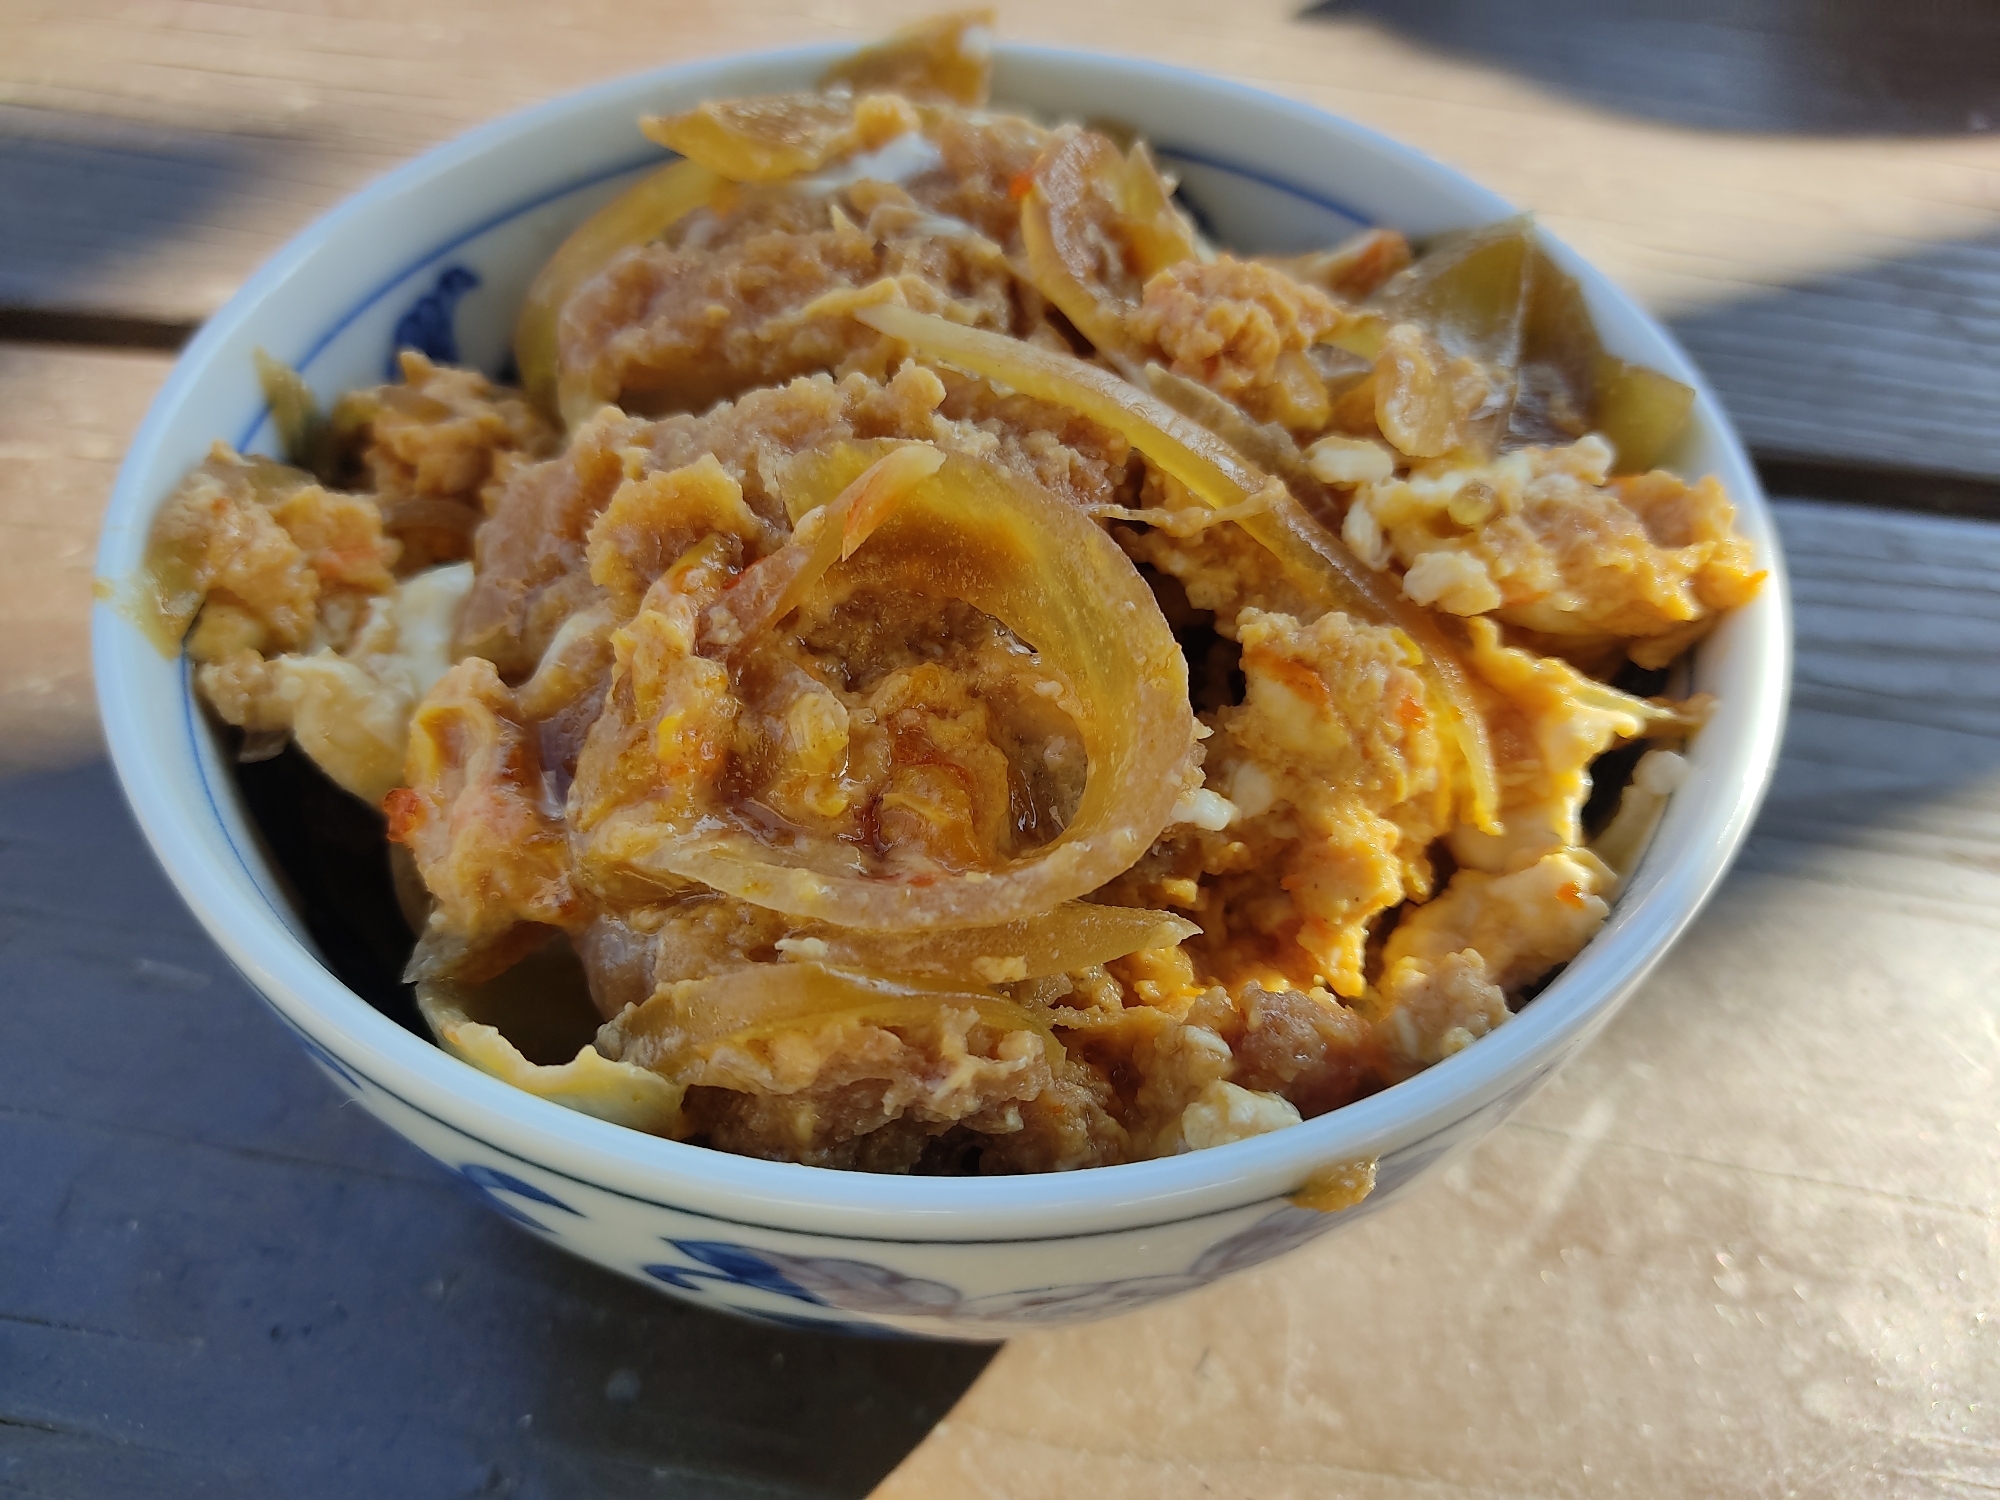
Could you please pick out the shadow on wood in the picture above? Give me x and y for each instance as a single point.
(1819, 67)
(1887, 364)
(91, 201)
(215, 1277)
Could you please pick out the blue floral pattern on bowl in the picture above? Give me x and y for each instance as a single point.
(798, 1280)
(428, 325)
(857, 1286)
(491, 1182)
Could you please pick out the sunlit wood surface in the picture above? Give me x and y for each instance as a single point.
(1746, 1245)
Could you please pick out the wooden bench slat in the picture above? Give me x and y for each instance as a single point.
(65, 417)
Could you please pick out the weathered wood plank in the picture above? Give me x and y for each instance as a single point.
(1811, 191)
(217, 1279)
(1743, 1246)
(1885, 362)
(1838, 67)
(65, 417)
(1562, 1317)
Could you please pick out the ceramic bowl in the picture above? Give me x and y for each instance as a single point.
(438, 255)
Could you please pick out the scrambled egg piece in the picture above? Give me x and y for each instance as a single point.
(304, 628)
(1449, 964)
(1542, 538)
(1226, 1113)
(1221, 568)
(474, 812)
(350, 709)
(1246, 330)
(1334, 765)
(1547, 722)
(319, 612)
(435, 450)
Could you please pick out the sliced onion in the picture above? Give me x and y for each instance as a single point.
(1218, 475)
(1094, 318)
(772, 587)
(682, 1021)
(641, 213)
(1074, 936)
(763, 139)
(589, 1083)
(1470, 292)
(1351, 270)
(1641, 411)
(975, 532)
(1265, 444)
(1496, 295)
(948, 56)
(303, 430)
(1063, 241)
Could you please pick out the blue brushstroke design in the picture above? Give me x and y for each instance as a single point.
(492, 1182)
(427, 326)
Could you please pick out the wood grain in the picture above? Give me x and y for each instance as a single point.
(65, 417)
(1744, 1246)
(1804, 195)
(217, 1279)
(1834, 67)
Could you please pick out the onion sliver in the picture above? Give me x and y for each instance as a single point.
(1074, 936)
(641, 213)
(979, 533)
(1086, 308)
(763, 139)
(1137, 229)
(589, 1083)
(1264, 444)
(949, 56)
(773, 586)
(683, 1020)
(1216, 473)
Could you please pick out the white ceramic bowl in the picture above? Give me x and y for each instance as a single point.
(952, 1257)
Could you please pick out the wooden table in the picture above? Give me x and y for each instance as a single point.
(1748, 1245)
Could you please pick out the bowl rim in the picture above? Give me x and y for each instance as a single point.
(354, 1039)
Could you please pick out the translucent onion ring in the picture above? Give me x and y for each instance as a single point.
(1156, 236)
(764, 138)
(948, 56)
(982, 534)
(1088, 309)
(641, 213)
(589, 1083)
(1074, 936)
(1218, 475)
(683, 1020)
